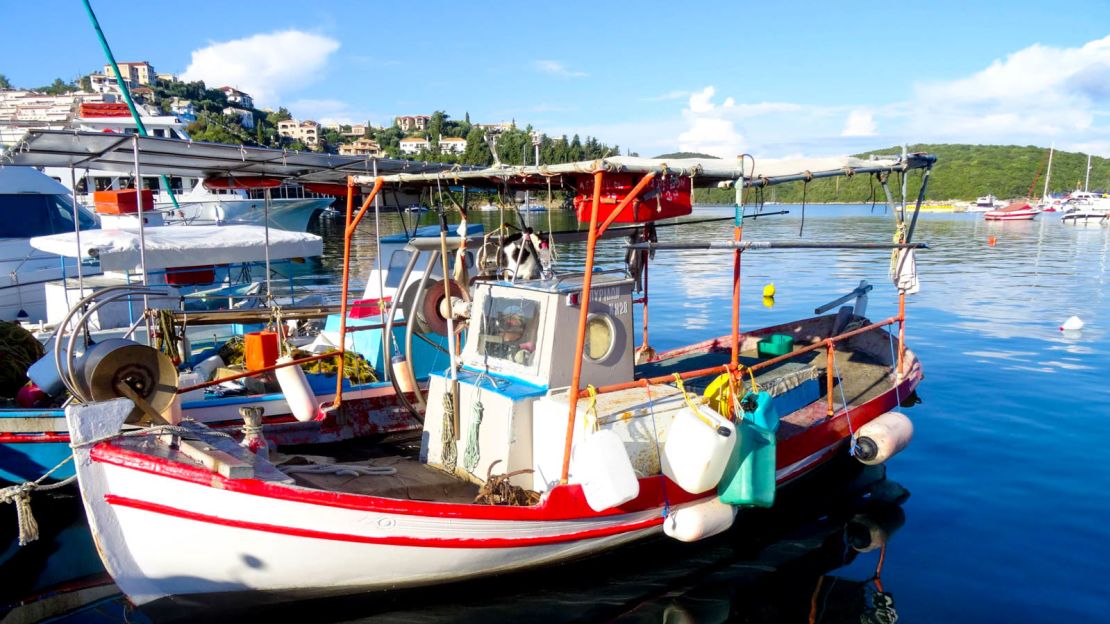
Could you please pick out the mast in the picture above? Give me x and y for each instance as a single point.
(1087, 180)
(1048, 172)
(126, 92)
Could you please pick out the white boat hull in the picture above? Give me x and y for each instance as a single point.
(294, 215)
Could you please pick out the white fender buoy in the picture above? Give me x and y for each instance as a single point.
(402, 372)
(298, 394)
(1072, 324)
(698, 521)
(883, 438)
(206, 368)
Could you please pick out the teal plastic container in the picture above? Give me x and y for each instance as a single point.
(775, 345)
(749, 479)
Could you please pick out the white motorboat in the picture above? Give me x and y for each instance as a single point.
(32, 204)
(986, 203)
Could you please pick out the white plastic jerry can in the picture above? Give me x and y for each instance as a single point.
(602, 467)
(699, 520)
(697, 449)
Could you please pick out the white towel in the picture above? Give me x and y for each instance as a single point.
(904, 272)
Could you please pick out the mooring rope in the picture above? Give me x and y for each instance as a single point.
(473, 450)
(20, 496)
(449, 453)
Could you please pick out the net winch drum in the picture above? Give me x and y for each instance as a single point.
(145, 370)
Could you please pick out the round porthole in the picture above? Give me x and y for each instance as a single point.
(600, 337)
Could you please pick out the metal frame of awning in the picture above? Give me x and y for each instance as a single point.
(163, 155)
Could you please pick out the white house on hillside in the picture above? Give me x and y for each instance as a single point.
(413, 145)
(237, 98)
(452, 145)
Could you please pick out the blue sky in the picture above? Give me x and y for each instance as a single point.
(770, 78)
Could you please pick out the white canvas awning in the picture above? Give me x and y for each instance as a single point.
(704, 171)
(176, 246)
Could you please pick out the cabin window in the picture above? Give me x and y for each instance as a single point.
(601, 337)
(25, 216)
(397, 262)
(509, 330)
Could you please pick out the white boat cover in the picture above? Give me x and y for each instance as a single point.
(174, 246)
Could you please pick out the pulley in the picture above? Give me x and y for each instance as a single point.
(437, 305)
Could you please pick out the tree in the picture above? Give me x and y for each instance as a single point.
(86, 83)
(4, 83)
(58, 87)
(477, 150)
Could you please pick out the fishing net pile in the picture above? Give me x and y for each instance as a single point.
(355, 367)
(18, 351)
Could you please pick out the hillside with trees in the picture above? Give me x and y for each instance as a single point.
(962, 172)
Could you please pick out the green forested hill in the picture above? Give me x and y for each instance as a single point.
(962, 172)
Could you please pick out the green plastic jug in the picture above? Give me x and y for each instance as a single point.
(749, 478)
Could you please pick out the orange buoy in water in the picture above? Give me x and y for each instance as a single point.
(991, 241)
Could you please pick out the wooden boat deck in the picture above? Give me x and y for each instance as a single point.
(413, 480)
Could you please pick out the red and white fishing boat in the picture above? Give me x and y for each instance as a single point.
(1015, 211)
(521, 461)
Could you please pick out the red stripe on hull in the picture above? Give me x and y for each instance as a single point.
(423, 542)
(21, 438)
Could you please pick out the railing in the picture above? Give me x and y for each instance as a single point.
(827, 343)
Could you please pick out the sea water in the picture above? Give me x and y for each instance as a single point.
(1007, 477)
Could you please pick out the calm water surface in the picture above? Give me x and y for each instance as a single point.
(1007, 517)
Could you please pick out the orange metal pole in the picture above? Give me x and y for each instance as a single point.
(738, 233)
(645, 299)
(901, 330)
(830, 354)
(583, 312)
(348, 233)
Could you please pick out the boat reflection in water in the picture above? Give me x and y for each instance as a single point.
(786, 564)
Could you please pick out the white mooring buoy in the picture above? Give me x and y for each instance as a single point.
(1072, 324)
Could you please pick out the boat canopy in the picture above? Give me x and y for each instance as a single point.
(172, 246)
(703, 171)
(194, 159)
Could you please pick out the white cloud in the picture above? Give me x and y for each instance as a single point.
(1034, 94)
(710, 129)
(265, 65)
(555, 68)
(860, 123)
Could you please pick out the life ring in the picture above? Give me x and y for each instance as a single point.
(436, 306)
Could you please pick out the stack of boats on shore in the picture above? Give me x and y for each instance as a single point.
(508, 448)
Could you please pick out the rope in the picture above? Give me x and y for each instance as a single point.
(449, 454)
(167, 335)
(847, 412)
(473, 450)
(20, 496)
(658, 454)
(893, 365)
(591, 409)
(689, 403)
